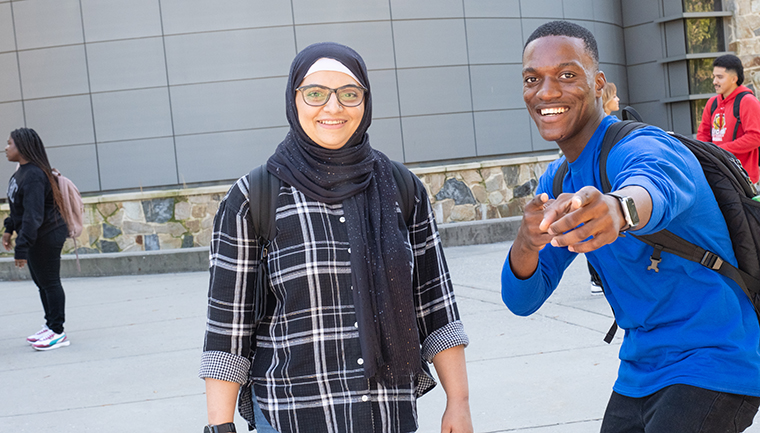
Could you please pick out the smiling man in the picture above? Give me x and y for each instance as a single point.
(689, 360)
(731, 119)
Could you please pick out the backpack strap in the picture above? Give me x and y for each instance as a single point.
(714, 106)
(665, 241)
(630, 113)
(405, 183)
(612, 136)
(263, 190)
(614, 133)
(559, 178)
(737, 107)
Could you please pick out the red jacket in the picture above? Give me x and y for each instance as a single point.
(719, 129)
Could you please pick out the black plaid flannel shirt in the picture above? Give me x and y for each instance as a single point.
(307, 370)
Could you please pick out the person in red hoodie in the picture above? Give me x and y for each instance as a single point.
(719, 123)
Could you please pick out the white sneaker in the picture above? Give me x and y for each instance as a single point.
(41, 334)
(52, 341)
(596, 289)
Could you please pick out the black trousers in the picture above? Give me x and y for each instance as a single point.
(680, 409)
(44, 261)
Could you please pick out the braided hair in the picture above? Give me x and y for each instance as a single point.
(30, 146)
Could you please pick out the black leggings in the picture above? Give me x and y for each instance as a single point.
(44, 261)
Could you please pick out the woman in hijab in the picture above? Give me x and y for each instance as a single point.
(360, 299)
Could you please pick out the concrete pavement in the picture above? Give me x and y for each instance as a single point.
(136, 341)
(196, 259)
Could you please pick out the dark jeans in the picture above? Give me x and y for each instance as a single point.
(44, 261)
(680, 409)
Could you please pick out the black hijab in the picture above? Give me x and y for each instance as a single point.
(360, 178)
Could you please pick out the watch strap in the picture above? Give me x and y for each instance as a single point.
(221, 428)
(627, 214)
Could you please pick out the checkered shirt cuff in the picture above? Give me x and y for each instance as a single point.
(449, 336)
(224, 366)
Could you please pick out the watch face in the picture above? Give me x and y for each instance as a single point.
(632, 213)
(628, 208)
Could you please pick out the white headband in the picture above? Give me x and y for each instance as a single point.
(327, 64)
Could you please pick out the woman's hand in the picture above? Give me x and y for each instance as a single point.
(452, 370)
(20, 263)
(457, 418)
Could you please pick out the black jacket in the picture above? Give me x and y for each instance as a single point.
(33, 210)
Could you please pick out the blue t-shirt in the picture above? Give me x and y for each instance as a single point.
(684, 325)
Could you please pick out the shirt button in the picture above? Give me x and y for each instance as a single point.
(356, 324)
(365, 398)
(349, 251)
(342, 219)
(360, 361)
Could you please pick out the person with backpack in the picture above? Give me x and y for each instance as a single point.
(690, 359)
(358, 298)
(731, 119)
(35, 204)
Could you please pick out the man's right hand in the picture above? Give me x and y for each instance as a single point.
(531, 238)
(533, 234)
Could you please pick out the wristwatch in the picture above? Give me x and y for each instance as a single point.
(628, 206)
(221, 428)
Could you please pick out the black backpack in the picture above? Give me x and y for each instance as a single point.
(737, 106)
(264, 187)
(733, 191)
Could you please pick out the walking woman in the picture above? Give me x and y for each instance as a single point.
(35, 201)
(360, 298)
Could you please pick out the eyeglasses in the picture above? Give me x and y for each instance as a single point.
(317, 96)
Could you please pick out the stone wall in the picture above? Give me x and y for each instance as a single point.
(183, 218)
(479, 191)
(160, 220)
(744, 38)
(149, 221)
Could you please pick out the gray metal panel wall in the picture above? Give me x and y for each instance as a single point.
(681, 112)
(676, 73)
(131, 94)
(651, 81)
(644, 46)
